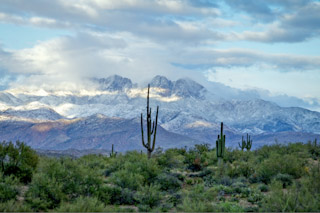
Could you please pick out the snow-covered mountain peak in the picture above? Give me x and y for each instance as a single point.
(188, 88)
(115, 83)
(184, 88)
(161, 82)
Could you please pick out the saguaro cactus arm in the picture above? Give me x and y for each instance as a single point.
(143, 143)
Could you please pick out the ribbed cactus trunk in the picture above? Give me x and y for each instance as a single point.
(113, 154)
(249, 143)
(243, 144)
(151, 128)
(220, 145)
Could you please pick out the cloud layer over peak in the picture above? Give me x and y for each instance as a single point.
(68, 41)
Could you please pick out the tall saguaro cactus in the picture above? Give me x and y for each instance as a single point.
(151, 128)
(220, 145)
(113, 154)
(243, 144)
(246, 144)
(249, 143)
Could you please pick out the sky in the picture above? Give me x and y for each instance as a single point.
(270, 46)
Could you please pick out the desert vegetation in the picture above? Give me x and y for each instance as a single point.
(271, 178)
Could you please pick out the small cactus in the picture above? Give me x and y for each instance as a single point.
(220, 145)
(113, 154)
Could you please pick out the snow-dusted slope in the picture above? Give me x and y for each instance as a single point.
(186, 108)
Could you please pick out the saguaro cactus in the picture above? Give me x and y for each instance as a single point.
(249, 143)
(246, 144)
(151, 128)
(220, 145)
(113, 154)
(243, 144)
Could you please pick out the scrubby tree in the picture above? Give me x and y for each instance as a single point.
(18, 159)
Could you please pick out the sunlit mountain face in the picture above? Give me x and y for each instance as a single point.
(108, 112)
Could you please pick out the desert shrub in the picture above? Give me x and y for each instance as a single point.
(237, 155)
(62, 179)
(116, 195)
(175, 198)
(8, 188)
(197, 199)
(228, 207)
(136, 170)
(147, 168)
(255, 197)
(202, 148)
(7, 192)
(171, 159)
(240, 168)
(238, 187)
(191, 205)
(267, 151)
(168, 182)
(14, 206)
(210, 180)
(18, 159)
(285, 179)
(263, 187)
(222, 190)
(193, 160)
(297, 197)
(44, 193)
(314, 149)
(286, 164)
(148, 197)
(119, 162)
(124, 179)
(82, 204)
(75, 178)
(225, 180)
(96, 162)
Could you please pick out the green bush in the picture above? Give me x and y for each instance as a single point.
(44, 193)
(191, 205)
(7, 192)
(286, 164)
(241, 169)
(228, 207)
(148, 197)
(172, 158)
(14, 206)
(285, 179)
(263, 187)
(18, 159)
(125, 179)
(168, 182)
(8, 188)
(82, 204)
(255, 197)
(116, 195)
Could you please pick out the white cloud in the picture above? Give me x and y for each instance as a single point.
(299, 84)
(142, 38)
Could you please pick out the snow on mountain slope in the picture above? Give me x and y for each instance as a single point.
(38, 114)
(186, 108)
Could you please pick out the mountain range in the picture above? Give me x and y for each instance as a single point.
(109, 113)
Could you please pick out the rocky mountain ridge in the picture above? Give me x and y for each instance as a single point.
(187, 109)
